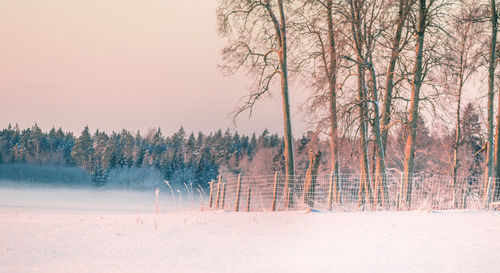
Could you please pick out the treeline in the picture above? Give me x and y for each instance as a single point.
(180, 157)
(183, 157)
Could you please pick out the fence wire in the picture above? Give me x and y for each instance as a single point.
(347, 192)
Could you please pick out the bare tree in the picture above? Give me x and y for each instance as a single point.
(396, 46)
(491, 87)
(491, 93)
(363, 16)
(423, 13)
(257, 34)
(320, 60)
(462, 58)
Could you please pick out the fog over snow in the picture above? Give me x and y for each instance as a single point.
(85, 230)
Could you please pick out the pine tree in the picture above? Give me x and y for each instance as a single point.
(83, 150)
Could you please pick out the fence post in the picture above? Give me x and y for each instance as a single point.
(397, 201)
(275, 188)
(223, 195)
(493, 190)
(248, 199)
(238, 188)
(287, 199)
(340, 196)
(488, 192)
(400, 194)
(330, 192)
(464, 197)
(218, 192)
(210, 198)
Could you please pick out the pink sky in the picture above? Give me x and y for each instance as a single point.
(114, 64)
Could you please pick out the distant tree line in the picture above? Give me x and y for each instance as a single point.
(179, 157)
(183, 157)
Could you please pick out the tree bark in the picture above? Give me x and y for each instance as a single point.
(415, 99)
(289, 163)
(332, 82)
(456, 145)
(380, 181)
(404, 9)
(365, 194)
(491, 93)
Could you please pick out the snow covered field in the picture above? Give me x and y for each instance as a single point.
(88, 231)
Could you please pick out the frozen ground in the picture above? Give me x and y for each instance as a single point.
(89, 231)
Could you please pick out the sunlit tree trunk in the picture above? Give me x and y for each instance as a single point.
(415, 99)
(263, 52)
(332, 82)
(404, 9)
(289, 163)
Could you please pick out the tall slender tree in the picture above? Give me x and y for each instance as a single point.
(257, 34)
(461, 59)
(422, 23)
(493, 160)
(396, 46)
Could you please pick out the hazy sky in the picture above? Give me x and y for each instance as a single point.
(114, 64)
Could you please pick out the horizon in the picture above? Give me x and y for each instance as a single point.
(146, 132)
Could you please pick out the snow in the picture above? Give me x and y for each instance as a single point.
(90, 231)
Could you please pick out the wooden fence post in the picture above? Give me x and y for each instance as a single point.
(287, 198)
(238, 188)
(488, 192)
(493, 190)
(223, 195)
(400, 194)
(275, 188)
(464, 197)
(218, 192)
(339, 190)
(330, 192)
(210, 198)
(248, 199)
(397, 201)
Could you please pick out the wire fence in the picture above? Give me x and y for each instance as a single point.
(348, 192)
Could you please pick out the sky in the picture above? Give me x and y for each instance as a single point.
(113, 64)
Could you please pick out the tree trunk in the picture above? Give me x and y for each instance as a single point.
(404, 9)
(365, 194)
(289, 163)
(380, 181)
(332, 76)
(491, 87)
(491, 94)
(456, 145)
(415, 99)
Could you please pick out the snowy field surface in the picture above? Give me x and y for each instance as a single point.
(90, 231)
